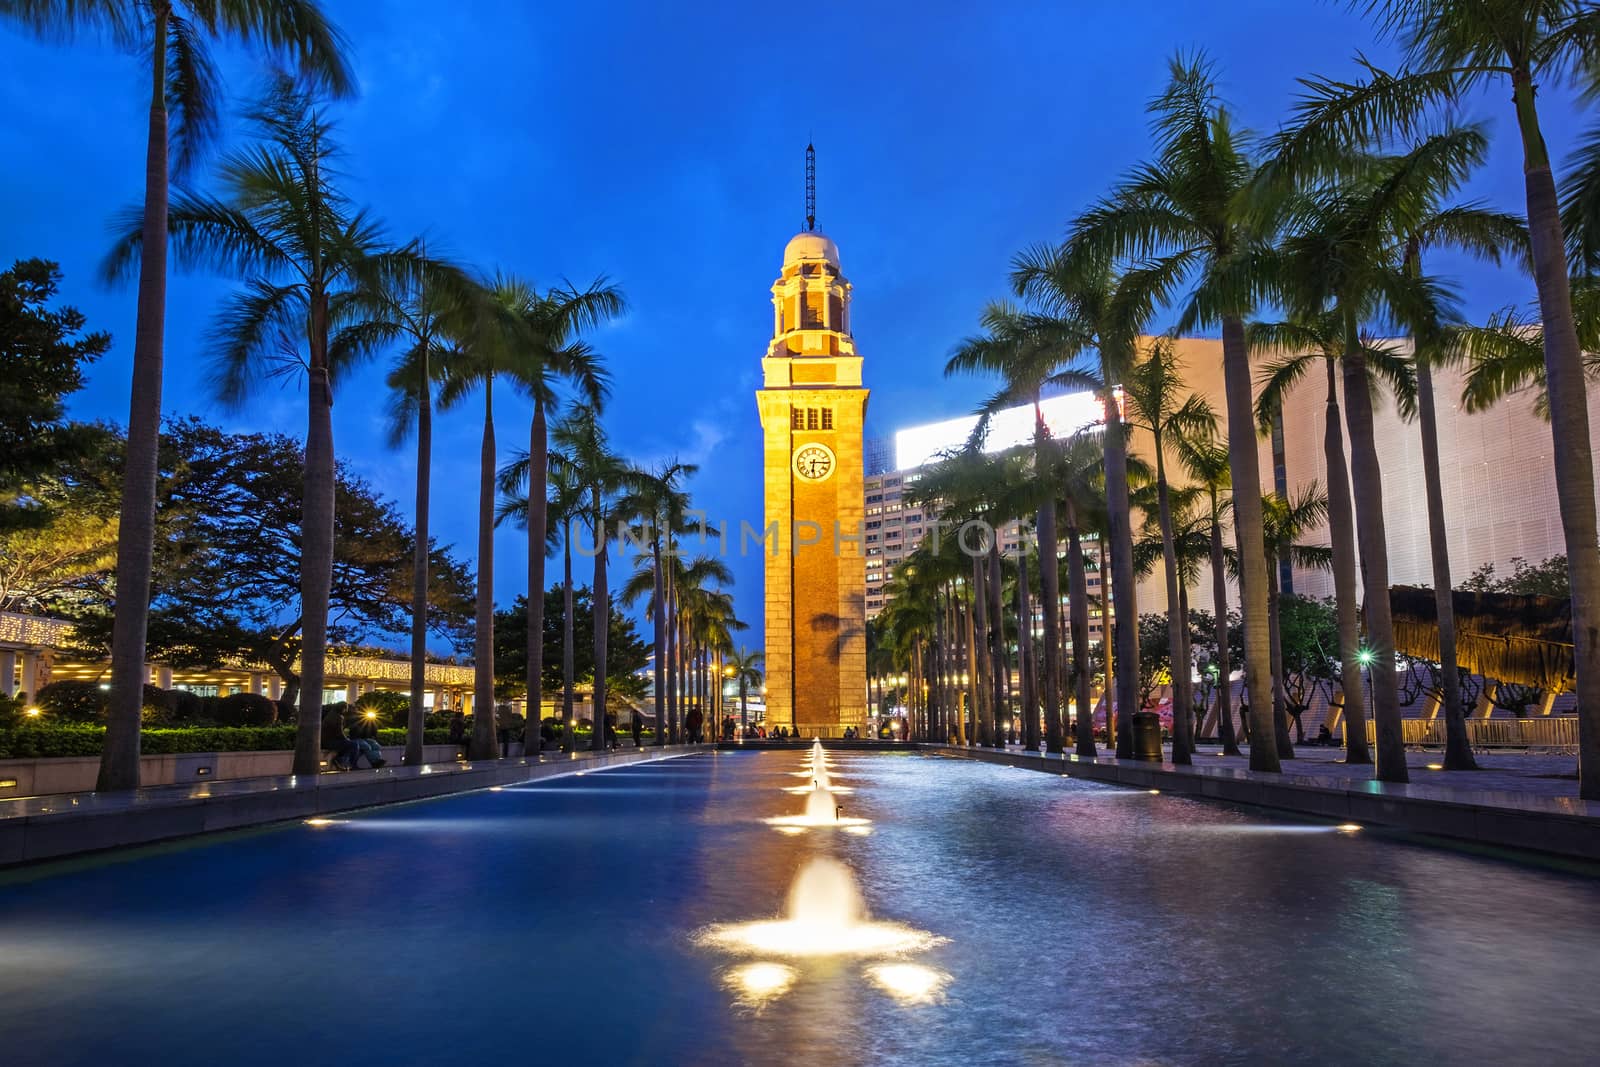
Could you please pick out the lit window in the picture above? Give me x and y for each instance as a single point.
(798, 419)
(827, 418)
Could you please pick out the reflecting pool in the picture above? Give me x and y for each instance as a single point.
(1025, 919)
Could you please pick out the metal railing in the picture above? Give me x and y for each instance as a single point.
(1555, 732)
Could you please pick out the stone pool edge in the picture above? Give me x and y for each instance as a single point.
(1569, 834)
(77, 831)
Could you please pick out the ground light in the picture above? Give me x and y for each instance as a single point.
(1349, 827)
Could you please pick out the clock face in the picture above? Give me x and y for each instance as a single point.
(813, 462)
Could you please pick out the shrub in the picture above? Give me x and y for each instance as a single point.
(393, 708)
(245, 709)
(42, 741)
(87, 702)
(186, 706)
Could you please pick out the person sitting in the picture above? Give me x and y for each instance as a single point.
(365, 735)
(345, 751)
(458, 732)
(1324, 735)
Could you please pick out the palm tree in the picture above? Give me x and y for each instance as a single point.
(422, 304)
(1353, 257)
(605, 479)
(1287, 520)
(1453, 47)
(1078, 285)
(658, 511)
(1322, 337)
(746, 667)
(544, 346)
(174, 38)
(1188, 213)
(1189, 547)
(1206, 462)
(301, 246)
(1032, 353)
(1080, 474)
(1159, 404)
(479, 365)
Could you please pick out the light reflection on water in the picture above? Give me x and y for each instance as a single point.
(1078, 924)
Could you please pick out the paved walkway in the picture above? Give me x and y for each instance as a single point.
(1501, 772)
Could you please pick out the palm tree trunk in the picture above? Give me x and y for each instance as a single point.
(1126, 631)
(136, 534)
(1026, 654)
(1219, 603)
(658, 612)
(316, 551)
(983, 717)
(997, 647)
(1182, 697)
(1050, 595)
(538, 529)
(602, 623)
(1187, 659)
(483, 744)
(1569, 428)
(974, 666)
(416, 718)
(1366, 478)
(1078, 620)
(1245, 470)
(1342, 536)
(672, 662)
(569, 741)
(1280, 706)
(1457, 749)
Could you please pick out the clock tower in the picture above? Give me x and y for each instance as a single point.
(812, 408)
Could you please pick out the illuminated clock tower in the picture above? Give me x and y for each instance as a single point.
(812, 408)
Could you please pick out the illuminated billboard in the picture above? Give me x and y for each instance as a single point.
(1065, 415)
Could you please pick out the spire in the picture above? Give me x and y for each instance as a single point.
(811, 188)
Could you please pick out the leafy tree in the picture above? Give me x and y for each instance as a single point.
(229, 508)
(43, 352)
(1308, 631)
(626, 652)
(1546, 578)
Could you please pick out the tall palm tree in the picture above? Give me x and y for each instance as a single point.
(1350, 257)
(1453, 47)
(174, 37)
(1321, 337)
(423, 304)
(480, 364)
(658, 511)
(1032, 353)
(1080, 474)
(606, 479)
(543, 347)
(1078, 284)
(300, 246)
(1188, 211)
(1206, 462)
(1159, 403)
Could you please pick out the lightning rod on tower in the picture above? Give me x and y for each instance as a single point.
(811, 188)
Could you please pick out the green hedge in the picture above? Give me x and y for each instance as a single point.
(40, 742)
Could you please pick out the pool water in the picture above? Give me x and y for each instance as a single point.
(564, 922)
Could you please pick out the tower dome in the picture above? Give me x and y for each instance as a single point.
(810, 246)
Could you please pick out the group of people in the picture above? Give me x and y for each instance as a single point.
(350, 748)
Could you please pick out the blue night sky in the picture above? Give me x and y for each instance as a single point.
(662, 145)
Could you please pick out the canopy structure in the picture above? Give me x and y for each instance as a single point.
(1524, 640)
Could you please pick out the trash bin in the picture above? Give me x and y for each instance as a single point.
(1147, 736)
